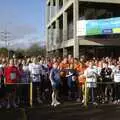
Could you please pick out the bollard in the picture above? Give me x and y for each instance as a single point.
(31, 93)
(85, 102)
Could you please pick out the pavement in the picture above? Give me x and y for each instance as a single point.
(66, 111)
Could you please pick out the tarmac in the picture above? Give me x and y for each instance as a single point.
(66, 111)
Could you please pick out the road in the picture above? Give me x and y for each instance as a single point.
(66, 111)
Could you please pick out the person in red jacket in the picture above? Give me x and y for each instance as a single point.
(11, 74)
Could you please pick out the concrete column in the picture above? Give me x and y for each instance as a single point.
(57, 6)
(64, 26)
(47, 30)
(64, 32)
(65, 52)
(57, 53)
(52, 38)
(57, 31)
(75, 18)
(48, 13)
(49, 38)
(64, 2)
(52, 53)
(51, 9)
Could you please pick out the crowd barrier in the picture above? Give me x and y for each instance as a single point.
(97, 84)
(85, 90)
(30, 90)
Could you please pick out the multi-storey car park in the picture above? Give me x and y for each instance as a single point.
(61, 28)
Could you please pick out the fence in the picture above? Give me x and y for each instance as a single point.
(99, 87)
(30, 90)
(103, 89)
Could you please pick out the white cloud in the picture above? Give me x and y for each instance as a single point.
(20, 36)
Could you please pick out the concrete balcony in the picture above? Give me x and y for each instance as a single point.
(60, 12)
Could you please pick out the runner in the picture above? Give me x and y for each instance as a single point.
(11, 78)
(106, 73)
(81, 82)
(72, 85)
(91, 79)
(26, 80)
(116, 77)
(64, 66)
(55, 82)
(100, 91)
(35, 71)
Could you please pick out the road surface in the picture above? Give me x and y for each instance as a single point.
(66, 111)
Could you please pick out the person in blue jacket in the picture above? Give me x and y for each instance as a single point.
(55, 82)
(71, 80)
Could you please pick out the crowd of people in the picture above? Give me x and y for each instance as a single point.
(58, 79)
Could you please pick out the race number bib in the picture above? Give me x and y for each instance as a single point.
(13, 76)
(107, 76)
(35, 70)
(117, 78)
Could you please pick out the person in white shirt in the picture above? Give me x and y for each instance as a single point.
(116, 77)
(112, 66)
(26, 72)
(91, 79)
(25, 78)
(35, 73)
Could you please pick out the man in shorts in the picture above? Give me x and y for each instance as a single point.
(11, 74)
(55, 82)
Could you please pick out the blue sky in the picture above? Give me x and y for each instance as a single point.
(25, 19)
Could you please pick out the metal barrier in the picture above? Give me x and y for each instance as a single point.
(85, 90)
(97, 83)
(30, 89)
(85, 102)
(31, 94)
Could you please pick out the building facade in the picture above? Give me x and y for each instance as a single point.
(61, 28)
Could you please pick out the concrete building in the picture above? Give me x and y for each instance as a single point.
(61, 28)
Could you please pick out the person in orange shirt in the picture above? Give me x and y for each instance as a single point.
(70, 59)
(81, 82)
(77, 66)
(64, 66)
